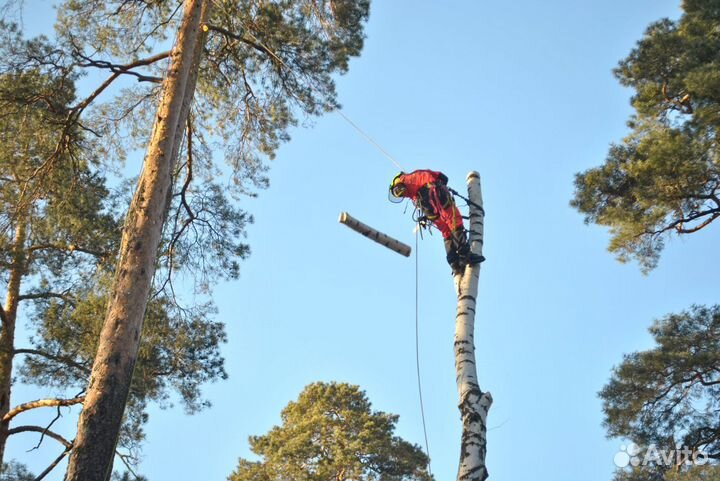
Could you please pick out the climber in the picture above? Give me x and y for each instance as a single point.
(429, 192)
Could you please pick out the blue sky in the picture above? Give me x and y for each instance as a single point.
(521, 92)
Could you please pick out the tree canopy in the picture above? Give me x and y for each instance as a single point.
(664, 177)
(59, 234)
(331, 433)
(670, 395)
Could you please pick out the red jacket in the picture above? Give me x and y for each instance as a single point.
(446, 218)
(419, 178)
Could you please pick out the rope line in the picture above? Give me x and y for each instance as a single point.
(417, 353)
(369, 139)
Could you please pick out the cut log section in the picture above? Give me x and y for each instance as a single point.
(376, 235)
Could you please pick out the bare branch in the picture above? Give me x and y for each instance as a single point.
(53, 464)
(39, 404)
(47, 295)
(253, 42)
(78, 109)
(43, 431)
(680, 230)
(127, 460)
(68, 248)
(127, 68)
(54, 357)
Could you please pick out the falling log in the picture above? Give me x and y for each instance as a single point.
(474, 403)
(377, 236)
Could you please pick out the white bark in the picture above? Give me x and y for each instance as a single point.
(377, 236)
(474, 404)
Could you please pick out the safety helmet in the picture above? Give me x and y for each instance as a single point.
(397, 189)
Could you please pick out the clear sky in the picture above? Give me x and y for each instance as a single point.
(523, 93)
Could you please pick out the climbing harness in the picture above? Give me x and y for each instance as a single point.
(456, 193)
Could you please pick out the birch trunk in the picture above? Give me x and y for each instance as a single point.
(474, 404)
(7, 336)
(374, 234)
(94, 447)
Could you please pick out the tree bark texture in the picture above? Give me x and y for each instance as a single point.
(7, 335)
(474, 404)
(374, 234)
(100, 420)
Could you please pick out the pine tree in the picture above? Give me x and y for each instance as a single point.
(58, 243)
(331, 433)
(664, 177)
(255, 66)
(668, 396)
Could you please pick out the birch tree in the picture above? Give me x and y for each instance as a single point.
(474, 403)
(262, 61)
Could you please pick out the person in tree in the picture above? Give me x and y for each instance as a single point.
(429, 192)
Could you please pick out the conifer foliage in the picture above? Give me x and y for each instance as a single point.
(331, 433)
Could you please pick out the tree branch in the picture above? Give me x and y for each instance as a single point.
(69, 248)
(127, 460)
(53, 464)
(677, 225)
(54, 357)
(680, 230)
(41, 430)
(47, 295)
(39, 404)
(683, 104)
(127, 68)
(254, 42)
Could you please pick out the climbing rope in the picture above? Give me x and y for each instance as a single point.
(417, 350)
(417, 283)
(369, 139)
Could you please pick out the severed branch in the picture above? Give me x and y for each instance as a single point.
(39, 404)
(54, 357)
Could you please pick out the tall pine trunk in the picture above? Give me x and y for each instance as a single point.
(474, 404)
(100, 420)
(7, 336)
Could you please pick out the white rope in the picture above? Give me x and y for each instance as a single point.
(417, 352)
(369, 139)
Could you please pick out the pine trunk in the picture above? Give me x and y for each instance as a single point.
(7, 336)
(100, 420)
(474, 404)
